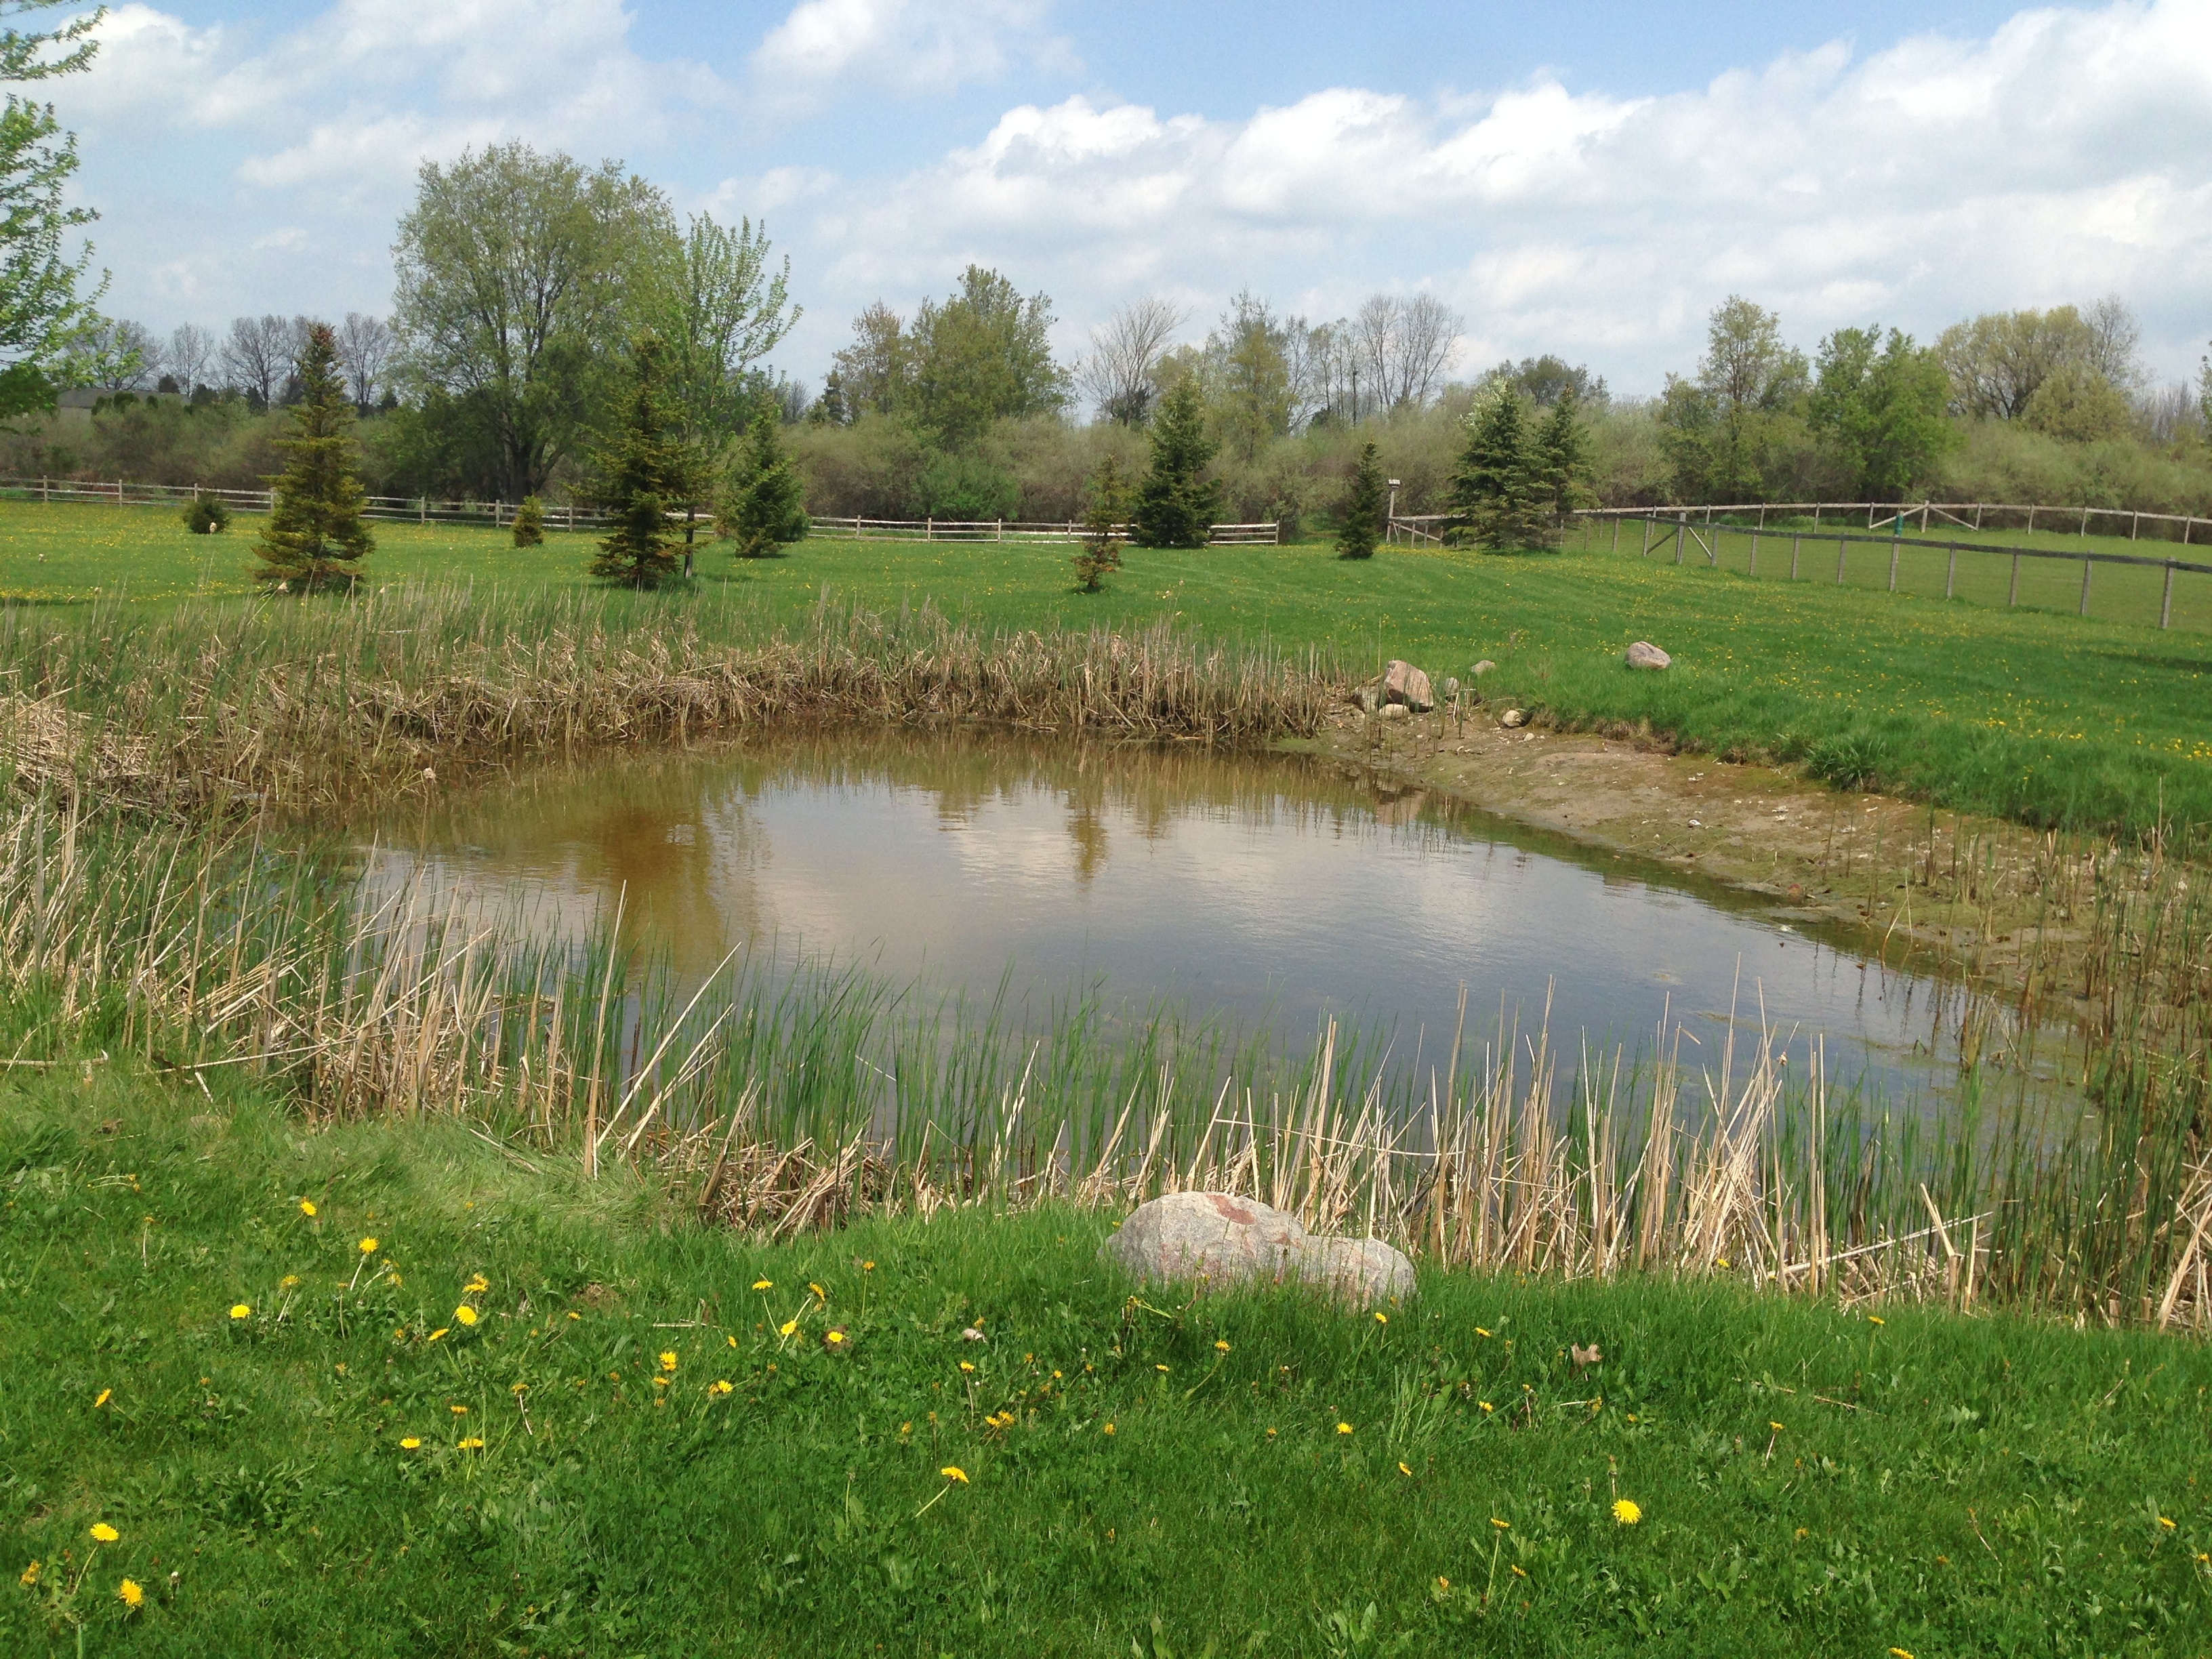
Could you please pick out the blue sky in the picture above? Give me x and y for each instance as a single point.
(1586, 178)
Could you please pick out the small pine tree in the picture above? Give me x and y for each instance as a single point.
(1494, 503)
(314, 536)
(1562, 456)
(1103, 519)
(206, 514)
(1176, 502)
(1364, 508)
(530, 523)
(765, 506)
(647, 469)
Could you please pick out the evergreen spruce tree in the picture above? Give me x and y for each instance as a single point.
(766, 506)
(1562, 456)
(1493, 487)
(1103, 519)
(530, 523)
(1176, 502)
(646, 469)
(1364, 508)
(314, 536)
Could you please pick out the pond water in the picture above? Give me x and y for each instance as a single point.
(1272, 889)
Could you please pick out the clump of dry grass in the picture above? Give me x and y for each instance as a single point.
(299, 707)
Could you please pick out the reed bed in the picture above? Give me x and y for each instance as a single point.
(782, 1098)
(297, 706)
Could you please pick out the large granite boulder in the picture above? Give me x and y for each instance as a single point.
(1644, 654)
(1402, 683)
(1225, 1240)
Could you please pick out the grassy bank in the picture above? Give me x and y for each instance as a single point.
(2039, 716)
(304, 1430)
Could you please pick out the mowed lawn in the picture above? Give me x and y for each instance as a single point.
(2033, 714)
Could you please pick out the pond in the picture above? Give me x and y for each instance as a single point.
(1273, 891)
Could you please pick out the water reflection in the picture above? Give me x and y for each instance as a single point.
(1269, 888)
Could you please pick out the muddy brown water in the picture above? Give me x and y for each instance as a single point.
(1273, 891)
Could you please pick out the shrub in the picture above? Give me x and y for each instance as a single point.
(206, 514)
(530, 523)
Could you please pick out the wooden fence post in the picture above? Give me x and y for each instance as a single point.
(1754, 547)
(2165, 604)
(2088, 565)
(1842, 544)
(2012, 597)
(2031, 518)
(1616, 533)
(1646, 553)
(1681, 534)
(1795, 537)
(1951, 575)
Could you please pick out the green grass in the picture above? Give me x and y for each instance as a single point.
(2034, 714)
(1937, 1484)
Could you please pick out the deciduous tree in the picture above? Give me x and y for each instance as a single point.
(711, 294)
(1879, 405)
(510, 297)
(41, 307)
(314, 536)
(1121, 375)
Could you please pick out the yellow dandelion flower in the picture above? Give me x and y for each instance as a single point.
(440, 1331)
(867, 1267)
(1899, 1653)
(721, 1386)
(834, 1338)
(2167, 1524)
(242, 1311)
(29, 1576)
(1222, 1347)
(966, 1366)
(1627, 1511)
(465, 1314)
(951, 1472)
(573, 1314)
(396, 1281)
(1479, 1331)
(472, 1444)
(104, 1533)
(1109, 1429)
(1381, 1319)
(308, 1206)
(791, 1325)
(132, 1595)
(1519, 1572)
(1344, 1428)
(764, 1284)
(1404, 1470)
(409, 1442)
(458, 1411)
(1161, 1369)
(289, 1282)
(1502, 1526)
(369, 1247)
(1485, 1405)
(1876, 1319)
(476, 1286)
(1776, 1427)
(668, 1360)
(104, 1395)
(820, 1295)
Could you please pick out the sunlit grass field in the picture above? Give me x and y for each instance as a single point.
(390, 1388)
(2030, 712)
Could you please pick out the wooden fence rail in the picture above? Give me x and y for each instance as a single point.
(1013, 530)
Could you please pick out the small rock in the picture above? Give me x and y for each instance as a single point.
(1482, 668)
(1227, 1240)
(971, 1334)
(1403, 682)
(1366, 694)
(1451, 690)
(1513, 717)
(1644, 654)
(1394, 711)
